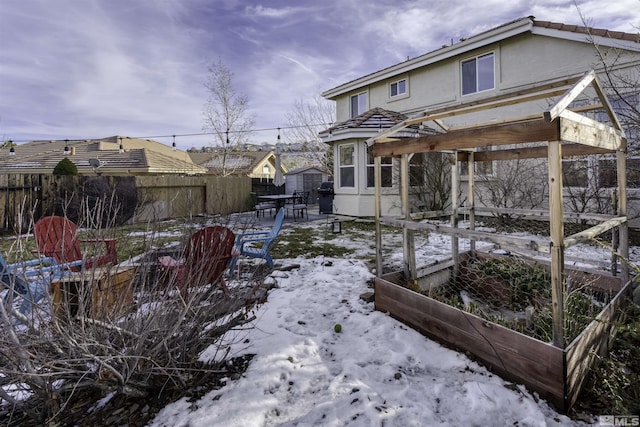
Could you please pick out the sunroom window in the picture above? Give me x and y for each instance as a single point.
(346, 165)
(385, 169)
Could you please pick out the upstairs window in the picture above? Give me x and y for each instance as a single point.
(478, 74)
(398, 88)
(359, 104)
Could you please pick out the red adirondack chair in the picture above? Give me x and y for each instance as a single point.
(57, 237)
(204, 259)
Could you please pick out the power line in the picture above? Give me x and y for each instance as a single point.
(185, 135)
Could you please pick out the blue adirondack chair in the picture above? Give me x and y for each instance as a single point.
(257, 244)
(31, 279)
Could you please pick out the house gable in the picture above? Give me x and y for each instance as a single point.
(254, 164)
(523, 52)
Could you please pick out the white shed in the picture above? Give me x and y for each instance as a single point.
(306, 179)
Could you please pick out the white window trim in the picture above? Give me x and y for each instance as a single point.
(402, 95)
(476, 58)
(366, 107)
(340, 187)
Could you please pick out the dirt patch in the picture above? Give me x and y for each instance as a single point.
(85, 409)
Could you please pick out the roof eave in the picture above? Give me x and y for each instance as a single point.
(584, 38)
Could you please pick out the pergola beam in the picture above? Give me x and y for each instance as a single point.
(500, 134)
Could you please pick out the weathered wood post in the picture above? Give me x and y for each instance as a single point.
(556, 230)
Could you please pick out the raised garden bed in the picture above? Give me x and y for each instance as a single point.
(504, 346)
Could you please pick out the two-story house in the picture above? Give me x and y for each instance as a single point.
(518, 54)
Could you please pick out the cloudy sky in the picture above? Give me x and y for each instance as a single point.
(81, 69)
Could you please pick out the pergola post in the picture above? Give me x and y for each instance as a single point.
(556, 230)
(455, 188)
(377, 178)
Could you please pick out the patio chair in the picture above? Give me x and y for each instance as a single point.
(57, 237)
(204, 259)
(31, 279)
(262, 206)
(258, 243)
(299, 204)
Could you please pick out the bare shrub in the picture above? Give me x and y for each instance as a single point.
(90, 337)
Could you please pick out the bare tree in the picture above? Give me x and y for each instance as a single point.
(621, 83)
(225, 114)
(306, 120)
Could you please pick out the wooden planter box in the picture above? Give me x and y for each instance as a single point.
(556, 374)
(99, 293)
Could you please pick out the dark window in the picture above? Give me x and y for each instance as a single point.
(398, 88)
(478, 74)
(358, 104)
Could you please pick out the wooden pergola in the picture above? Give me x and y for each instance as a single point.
(556, 370)
(560, 131)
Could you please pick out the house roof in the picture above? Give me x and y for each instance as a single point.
(140, 156)
(305, 169)
(375, 120)
(241, 163)
(578, 33)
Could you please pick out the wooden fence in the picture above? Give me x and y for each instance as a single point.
(25, 198)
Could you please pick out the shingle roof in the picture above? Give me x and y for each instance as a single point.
(375, 119)
(239, 163)
(601, 32)
(139, 157)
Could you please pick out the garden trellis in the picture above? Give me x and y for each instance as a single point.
(455, 298)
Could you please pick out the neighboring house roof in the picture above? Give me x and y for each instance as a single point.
(237, 163)
(140, 156)
(602, 37)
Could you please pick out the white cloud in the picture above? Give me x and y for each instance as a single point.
(96, 68)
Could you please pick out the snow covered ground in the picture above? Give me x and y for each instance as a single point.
(375, 372)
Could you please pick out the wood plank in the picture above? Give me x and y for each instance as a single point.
(501, 134)
(561, 105)
(512, 355)
(568, 150)
(594, 231)
(556, 230)
(377, 177)
(545, 214)
(594, 340)
(532, 243)
(607, 105)
(434, 268)
(471, 197)
(582, 130)
(623, 231)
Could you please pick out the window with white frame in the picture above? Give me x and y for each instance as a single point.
(478, 74)
(398, 88)
(346, 154)
(386, 168)
(359, 104)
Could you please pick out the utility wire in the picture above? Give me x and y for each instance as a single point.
(183, 135)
